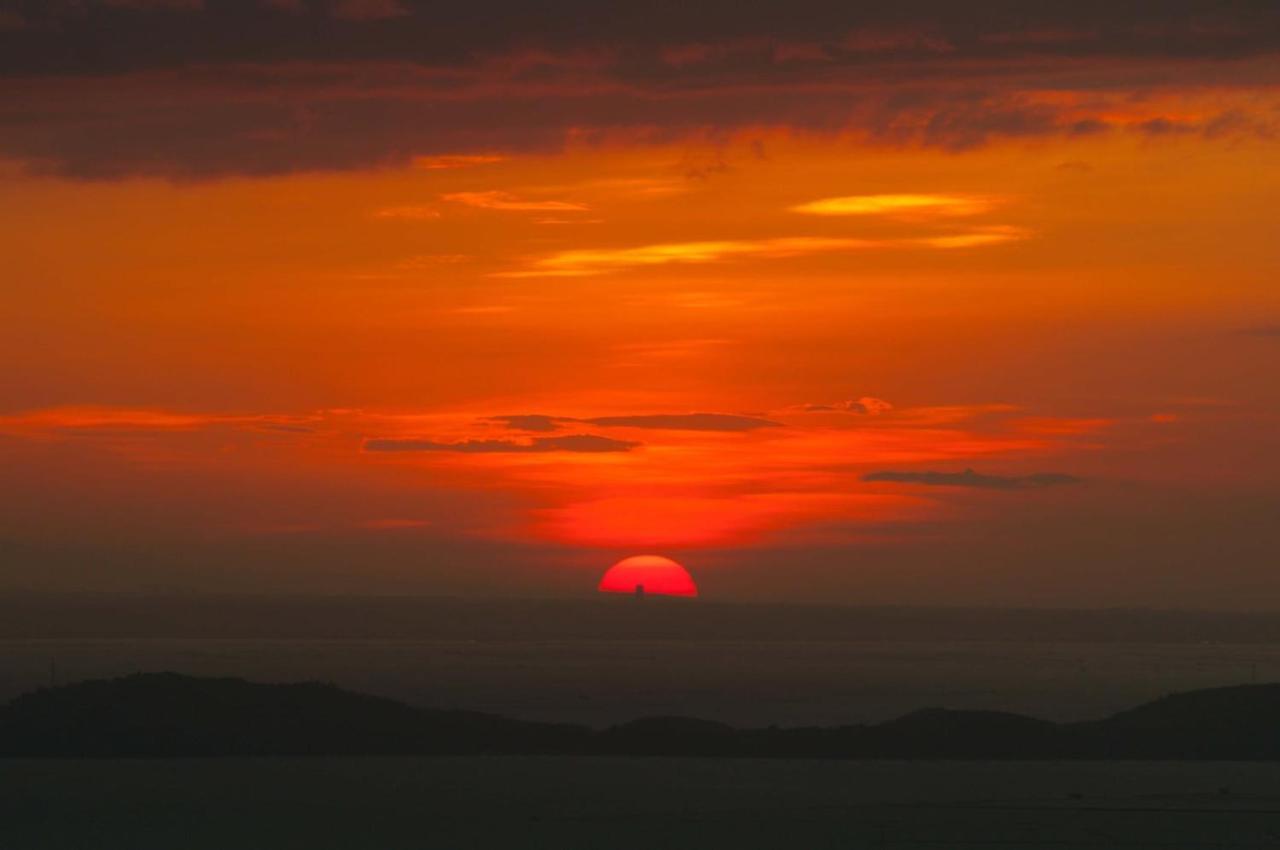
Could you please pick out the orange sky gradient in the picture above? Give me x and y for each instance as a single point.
(813, 359)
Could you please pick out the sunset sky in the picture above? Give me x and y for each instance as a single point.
(911, 303)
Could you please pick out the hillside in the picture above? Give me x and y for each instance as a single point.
(167, 714)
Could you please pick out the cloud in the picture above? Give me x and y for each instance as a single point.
(244, 88)
(667, 39)
(587, 261)
(590, 261)
(411, 213)
(529, 421)
(449, 162)
(867, 405)
(658, 421)
(896, 205)
(994, 235)
(121, 423)
(969, 478)
(69, 419)
(496, 200)
(1166, 127)
(686, 422)
(580, 443)
(583, 443)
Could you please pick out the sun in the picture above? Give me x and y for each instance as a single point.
(648, 574)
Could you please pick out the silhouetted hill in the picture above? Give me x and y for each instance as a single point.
(945, 733)
(1240, 722)
(163, 714)
(166, 714)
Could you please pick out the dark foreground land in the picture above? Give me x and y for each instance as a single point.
(625, 803)
(167, 714)
(165, 761)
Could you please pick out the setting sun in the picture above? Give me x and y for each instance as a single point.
(642, 575)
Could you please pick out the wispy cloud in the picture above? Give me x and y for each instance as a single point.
(686, 422)
(449, 162)
(529, 421)
(413, 213)
(583, 443)
(994, 235)
(914, 204)
(120, 422)
(696, 478)
(588, 261)
(507, 202)
(635, 353)
(969, 478)
(427, 261)
(867, 405)
(727, 422)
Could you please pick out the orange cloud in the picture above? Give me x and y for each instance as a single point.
(498, 200)
(698, 479)
(866, 405)
(122, 421)
(897, 204)
(413, 213)
(994, 235)
(589, 261)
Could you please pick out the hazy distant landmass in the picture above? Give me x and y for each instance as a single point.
(600, 661)
(167, 714)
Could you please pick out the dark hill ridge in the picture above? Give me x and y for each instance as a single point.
(167, 714)
(158, 714)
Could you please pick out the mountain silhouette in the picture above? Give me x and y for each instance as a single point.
(168, 714)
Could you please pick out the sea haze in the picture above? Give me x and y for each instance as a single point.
(603, 661)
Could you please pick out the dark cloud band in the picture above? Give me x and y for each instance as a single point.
(97, 89)
(686, 422)
(114, 36)
(969, 478)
